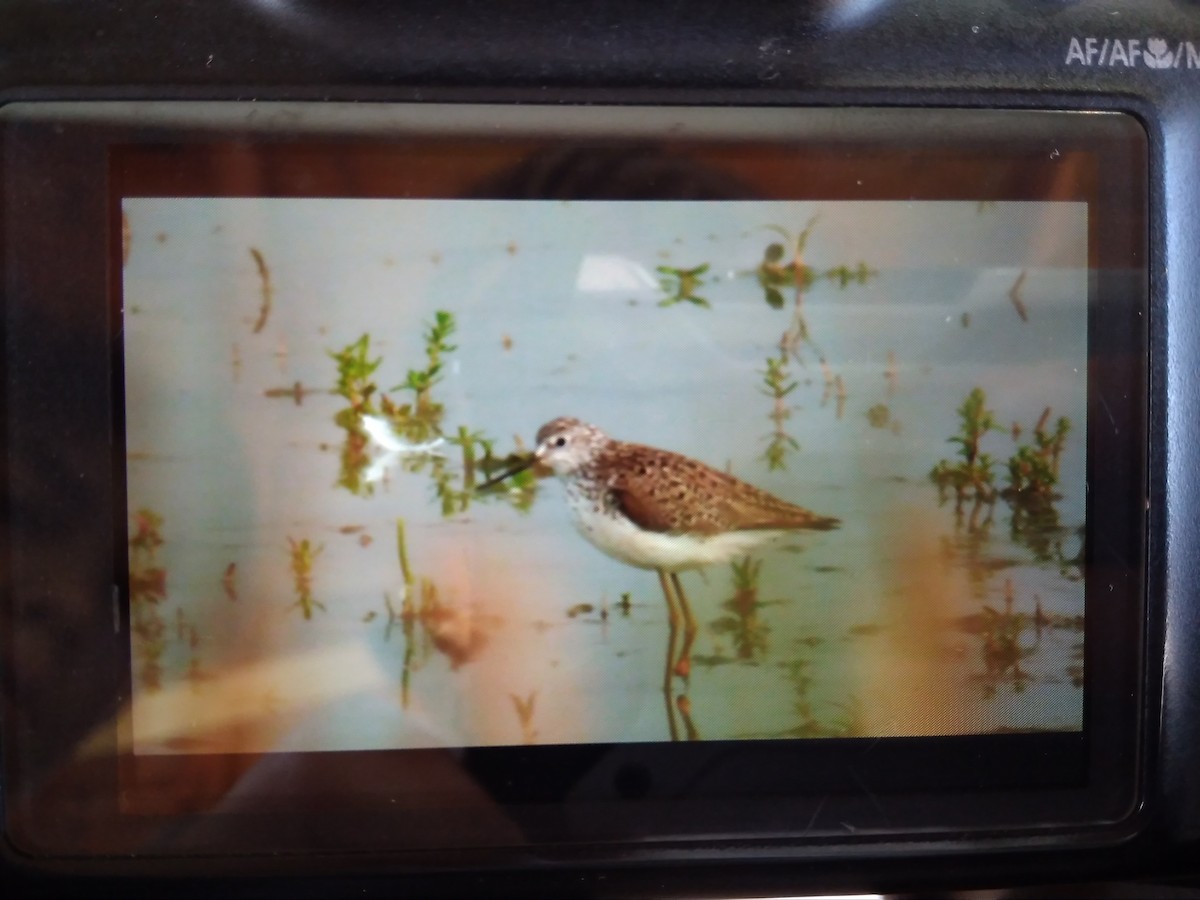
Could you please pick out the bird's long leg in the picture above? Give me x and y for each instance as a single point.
(683, 665)
(672, 629)
(684, 705)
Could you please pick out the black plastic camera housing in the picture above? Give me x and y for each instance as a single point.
(889, 101)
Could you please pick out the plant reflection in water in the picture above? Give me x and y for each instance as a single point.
(429, 624)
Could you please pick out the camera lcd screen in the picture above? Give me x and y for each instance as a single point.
(671, 472)
(316, 388)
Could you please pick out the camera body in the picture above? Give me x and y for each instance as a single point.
(113, 114)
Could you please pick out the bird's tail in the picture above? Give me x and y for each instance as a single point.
(822, 523)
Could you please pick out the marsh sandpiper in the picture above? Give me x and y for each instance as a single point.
(656, 509)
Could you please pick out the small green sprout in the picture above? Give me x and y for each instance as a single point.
(355, 369)
(681, 285)
(421, 381)
(147, 594)
(778, 384)
(971, 477)
(303, 555)
(1033, 469)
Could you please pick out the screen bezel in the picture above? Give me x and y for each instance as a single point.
(589, 795)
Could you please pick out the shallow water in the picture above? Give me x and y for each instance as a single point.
(911, 618)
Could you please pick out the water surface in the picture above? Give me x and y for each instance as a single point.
(915, 617)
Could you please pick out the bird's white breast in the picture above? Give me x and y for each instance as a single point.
(622, 539)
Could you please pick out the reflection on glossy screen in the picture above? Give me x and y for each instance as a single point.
(318, 392)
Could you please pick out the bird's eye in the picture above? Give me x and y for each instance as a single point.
(560, 441)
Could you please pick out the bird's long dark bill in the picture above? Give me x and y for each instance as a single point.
(507, 473)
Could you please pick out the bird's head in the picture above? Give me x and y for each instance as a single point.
(565, 445)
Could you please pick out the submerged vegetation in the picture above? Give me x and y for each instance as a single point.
(355, 369)
(1010, 636)
(303, 554)
(354, 383)
(429, 624)
(777, 384)
(971, 476)
(153, 639)
(266, 290)
(147, 593)
(412, 432)
(783, 267)
(422, 418)
(680, 285)
(1032, 471)
(811, 720)
(777, 272)
(742, 622)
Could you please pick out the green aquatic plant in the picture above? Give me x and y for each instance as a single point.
(1001, 649)
(773, 273)
(296, 393)
(1032, 478)
(779, 445)
(355, 368)
(971, 476)
(353, 461)
(267, 290)
(421, 419)
(745, 574)
(845, 720)
(843, 276)
(783, 267)
(680, 285)
(453, 498)
(777, 381)
(776, 271)
(520, 488)
(456, 489)
(418, 440)
(303, 555)
(417, 421)
(1033, 471)
(469, 442)
(152, 639)
(777, 384)
(427, 622)
(748, 631)
(147, 594)
(421, 381)
(407, 616)
(402, 557)
(1033, 468)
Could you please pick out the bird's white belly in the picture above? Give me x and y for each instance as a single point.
(621, 539)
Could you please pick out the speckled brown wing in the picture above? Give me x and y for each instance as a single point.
(666, 492)
(754, 509)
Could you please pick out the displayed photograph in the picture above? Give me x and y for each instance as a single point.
(412, 473)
